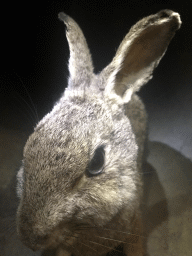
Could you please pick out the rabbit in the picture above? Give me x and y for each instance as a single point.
(80, 183)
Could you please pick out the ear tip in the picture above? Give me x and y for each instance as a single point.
(171, 15)
(63, 17)
(177, 16)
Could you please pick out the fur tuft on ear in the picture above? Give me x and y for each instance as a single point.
(139, 54)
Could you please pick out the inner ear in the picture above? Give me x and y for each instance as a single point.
(144, 50)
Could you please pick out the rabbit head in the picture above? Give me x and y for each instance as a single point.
(80, 166)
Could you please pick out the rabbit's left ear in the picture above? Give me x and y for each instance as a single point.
(139, 53)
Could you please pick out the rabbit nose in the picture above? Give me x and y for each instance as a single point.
(35, 243)
(29, 235)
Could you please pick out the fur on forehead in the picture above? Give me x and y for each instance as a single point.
(80, 110)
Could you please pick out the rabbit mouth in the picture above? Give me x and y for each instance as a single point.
(60, 238)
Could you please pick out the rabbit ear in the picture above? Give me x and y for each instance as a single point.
(139, 53)
(80, 62)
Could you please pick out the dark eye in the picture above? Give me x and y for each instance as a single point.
(96, 165)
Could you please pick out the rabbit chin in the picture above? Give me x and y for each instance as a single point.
(57, 238)
(60, 238)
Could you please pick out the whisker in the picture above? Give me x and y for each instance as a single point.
(34, 108)
(73, 247)
(104, 246)
(107, 238)
(7, 230)
(8, 233)
(31, 112)
(90, 242)
(86, 227)
(123, 232)
(34, 115)
(8, 226)
(11, 233)
(78, 242)
(87, 245)
(98, 244)
(83, 228)
(10, 213)
(5, 220)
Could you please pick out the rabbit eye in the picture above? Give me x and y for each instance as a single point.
(96, 165)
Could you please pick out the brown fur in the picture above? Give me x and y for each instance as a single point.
(64, 204)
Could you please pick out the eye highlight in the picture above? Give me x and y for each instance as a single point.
(95, 166)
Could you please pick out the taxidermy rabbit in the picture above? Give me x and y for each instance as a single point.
(80, 184)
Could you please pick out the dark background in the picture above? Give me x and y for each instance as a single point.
(34, 52)
(34, 72)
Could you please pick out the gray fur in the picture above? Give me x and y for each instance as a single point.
(60, 204)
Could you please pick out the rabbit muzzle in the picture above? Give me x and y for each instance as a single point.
(36, 241)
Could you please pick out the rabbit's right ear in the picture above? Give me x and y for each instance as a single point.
(80, 61)
(139, 53)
